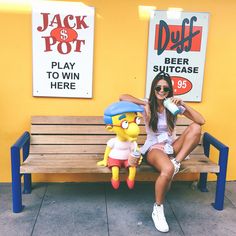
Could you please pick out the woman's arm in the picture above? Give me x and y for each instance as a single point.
(190, 112)
(193, 115)
(130, 98)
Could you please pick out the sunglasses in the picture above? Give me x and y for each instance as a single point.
(165, 89)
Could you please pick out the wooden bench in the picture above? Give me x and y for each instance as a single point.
(74, 145)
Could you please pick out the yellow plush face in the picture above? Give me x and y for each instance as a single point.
(126, 126)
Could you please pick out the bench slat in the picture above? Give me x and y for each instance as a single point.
(76, 139)
(82, 129)
(84, 120)
(68, 129)
(67, 120)
(95, 148)
(87, 164)
(183, 121)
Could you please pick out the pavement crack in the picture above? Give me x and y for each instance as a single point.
(175, 216)
(39, 210)
(105, 192)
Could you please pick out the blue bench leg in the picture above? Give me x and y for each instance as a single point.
(220, 192)
(202, 184)
(16, 181)
(27, 183)
(221, 180)
(221, 176)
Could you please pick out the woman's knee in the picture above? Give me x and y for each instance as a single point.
(168, 171)
(195, 129)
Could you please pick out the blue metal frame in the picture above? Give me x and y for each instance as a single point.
(22, 143)
(221, 176)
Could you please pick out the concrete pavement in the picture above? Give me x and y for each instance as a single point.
(96, 209)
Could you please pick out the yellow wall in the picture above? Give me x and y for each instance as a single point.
(120, 56)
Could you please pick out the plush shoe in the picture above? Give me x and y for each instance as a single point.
(115, 183)
(159, 219)
(130, 183)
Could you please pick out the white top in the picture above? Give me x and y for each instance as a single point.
(119, 149)
(162, 135)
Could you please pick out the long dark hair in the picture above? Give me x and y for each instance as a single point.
(154, 105)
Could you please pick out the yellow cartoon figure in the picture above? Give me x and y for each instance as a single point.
(122, 119)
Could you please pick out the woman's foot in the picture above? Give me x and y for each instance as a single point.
(176, 166)
(159, 219)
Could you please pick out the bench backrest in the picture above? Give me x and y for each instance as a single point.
(79, 134)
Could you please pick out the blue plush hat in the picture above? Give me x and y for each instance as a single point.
(120, 108)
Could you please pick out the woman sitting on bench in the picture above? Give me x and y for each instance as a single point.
(161, 149)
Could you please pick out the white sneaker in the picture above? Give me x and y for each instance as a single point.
(159, 219)
(176, 166)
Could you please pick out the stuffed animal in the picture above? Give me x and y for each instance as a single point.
(123, 119)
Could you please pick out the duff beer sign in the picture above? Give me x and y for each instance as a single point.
(63, 34)
(177, 45)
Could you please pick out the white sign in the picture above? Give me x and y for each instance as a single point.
(63, 38)
(177, 46)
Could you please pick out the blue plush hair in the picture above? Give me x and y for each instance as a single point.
(120, 108)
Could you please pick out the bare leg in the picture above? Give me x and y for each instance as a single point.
(162, 163)
(187, 141)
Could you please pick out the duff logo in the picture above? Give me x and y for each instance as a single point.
(178, 37)
(63, 36)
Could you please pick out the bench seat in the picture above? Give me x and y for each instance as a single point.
(84, 163)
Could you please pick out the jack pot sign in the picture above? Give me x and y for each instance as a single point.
(177, 46)
(63, 39)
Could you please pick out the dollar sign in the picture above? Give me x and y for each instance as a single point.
(64, 35)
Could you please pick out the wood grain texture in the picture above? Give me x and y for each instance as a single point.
(74, 144)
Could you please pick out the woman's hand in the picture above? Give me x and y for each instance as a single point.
(177, 101)
(189, 111)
